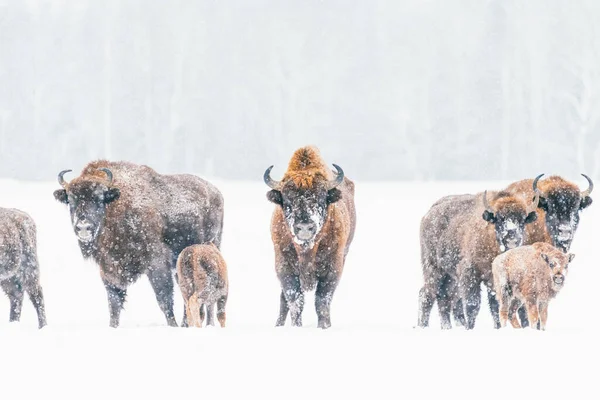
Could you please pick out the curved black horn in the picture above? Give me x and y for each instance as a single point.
(61, 179)
(535, 181)
(486, 204)
(273, 184)
(588, 191)
(338, 179)
(108, 173)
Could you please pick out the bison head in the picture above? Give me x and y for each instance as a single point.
(87, 200)
(509, 217)
(559, 266)
(562, 203)
(305, 207)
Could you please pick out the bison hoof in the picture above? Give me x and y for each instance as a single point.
(324, 324)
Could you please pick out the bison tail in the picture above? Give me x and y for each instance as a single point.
(193, 311)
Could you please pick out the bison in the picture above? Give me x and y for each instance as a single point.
(312, 229)
(202, 275)
(460, 236)
(132, 221)
(19, 267)
(559, 210)
(531, 275)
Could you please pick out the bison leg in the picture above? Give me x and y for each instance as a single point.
(283, 310)
(512, 313)
(221, 315)
(14, 290)
(444, 300)
(116, 299)
(210, 315)
(532, 314)
(494, 307)
(161, 281)
(470, 288)
(426, 301)
(294, 297)
(543, 316)
(523, 316)
(37, 299)
(323, 297)
(459, 313)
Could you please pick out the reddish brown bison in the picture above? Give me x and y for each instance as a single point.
(132, 221)
(559, 210)
(312, 228)
(529, 275)
(202, 274)
(19, 267)
(460, 237)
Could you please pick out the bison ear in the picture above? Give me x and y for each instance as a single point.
(545, 258)
(571, 257)
(111, 195)
(274, 196)
(61, 195)
(489, 217)
(531, 217)
(585, 202)
(333, 195)
(543, 203)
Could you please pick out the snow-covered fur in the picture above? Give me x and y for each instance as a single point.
(460, 236)
(312, 228)
(19, 267)
(202, 275)
(531, 275)
(132, 220)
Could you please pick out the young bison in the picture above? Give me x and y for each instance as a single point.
(202, 275)
(530, 275)
(19, 267)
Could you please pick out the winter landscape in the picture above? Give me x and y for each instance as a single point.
(415, 99)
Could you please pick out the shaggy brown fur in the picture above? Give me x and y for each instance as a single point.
(140, 223)
(302, 266)
(203, 280)
(457, 249)
(19, 267)
(531, 275)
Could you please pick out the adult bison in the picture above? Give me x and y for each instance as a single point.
(132, 220)
(312, 228)
(460, 237)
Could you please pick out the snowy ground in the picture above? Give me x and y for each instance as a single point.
(371, 350)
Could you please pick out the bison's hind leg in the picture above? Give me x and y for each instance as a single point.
(444, 300)
(192, 307)
(221, 315)
(14, 290)
(210, 315)
(161, 281)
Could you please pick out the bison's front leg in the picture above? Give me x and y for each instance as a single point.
(116, 299)
(323, 296)
(294, 297)
(283, 310)
(14, 290)
(161, 281)
(494, 306)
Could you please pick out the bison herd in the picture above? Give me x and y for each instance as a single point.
(132, 221)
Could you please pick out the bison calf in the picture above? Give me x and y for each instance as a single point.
(19, 268)
(530, 275)
(202, 275)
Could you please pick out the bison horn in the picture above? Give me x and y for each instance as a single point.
(535, 181)
(61, 179)
(338, 179)
(588, 191)
(108, 173)
(269, 181)
(486, 204)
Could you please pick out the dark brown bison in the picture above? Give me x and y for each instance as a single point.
(132, 221)
(19, 267)
(202, 274)
(312, 228)
(559, 207)
(460, 237)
